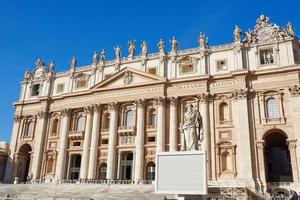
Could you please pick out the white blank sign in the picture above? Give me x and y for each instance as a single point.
(181, 173)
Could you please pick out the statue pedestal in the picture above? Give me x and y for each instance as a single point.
(182, 173)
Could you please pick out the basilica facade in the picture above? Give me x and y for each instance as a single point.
(107, 120)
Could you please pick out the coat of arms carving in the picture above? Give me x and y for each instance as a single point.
(128, 77)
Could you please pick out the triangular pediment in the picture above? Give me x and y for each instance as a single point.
(128, 77)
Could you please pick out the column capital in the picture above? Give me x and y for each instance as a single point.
(17, 118)
(292, 143)
(239, 94)
(97, 107)
(43, 114)
(173, 101)
(66, 112)
(88, 109)
(204, 97)
(140, 103)
(113, 105)
(294, 90)
(260, 144)
(160, 100)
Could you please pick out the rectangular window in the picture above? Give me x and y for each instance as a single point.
(104, 141)
(152, 71)
(35, 90)
(60, 88)
(151, 139)
(81, 84)
(221, 64)
(187, 68)
(266, 57)
(76, 144)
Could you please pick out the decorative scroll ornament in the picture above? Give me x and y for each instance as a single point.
(295, 90)
(265, 31)
(88, 109)
(140, 103)
(42, 114)
(66, 112)
(173, 101)
(18, 118)
(128, 77)
(159, 100)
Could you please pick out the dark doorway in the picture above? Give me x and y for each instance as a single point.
(23, 162)
(277, 159)
(74, 169)
(126, 165)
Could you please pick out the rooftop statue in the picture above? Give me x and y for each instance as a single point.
(161, 46)
(39, 62)
(95, 58)
(131, 48)
(203, 41)
(118, 52)
(51, 66)
(191, 130)
(174, 44)
(102, 56)
(73, 62)
(144, 47)
(290, 29)
(237, 34)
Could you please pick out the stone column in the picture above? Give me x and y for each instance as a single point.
(94, 143)
(113, 130)
(173, 124)
(10, 164)
(292, 147)
(261, 164)
(40, 133)
(139, 140)
(63, 141)
(86, 143)
(204, 112)
(160, 137)
(242, 133)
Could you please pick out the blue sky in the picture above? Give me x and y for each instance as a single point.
(57, 30)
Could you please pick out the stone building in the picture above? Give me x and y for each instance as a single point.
(4, 147)
(107, 120)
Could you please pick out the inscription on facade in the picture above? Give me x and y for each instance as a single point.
(227, 83)
(193, 87)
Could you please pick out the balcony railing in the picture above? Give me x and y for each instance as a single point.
(151, 127)
(279, 120)
(122, 129)
(76, 134)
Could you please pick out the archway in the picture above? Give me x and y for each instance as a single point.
(277, 158)
(23, 162)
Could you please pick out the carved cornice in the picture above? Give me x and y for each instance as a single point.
(66, 112)
(17, 118)
(173, 101)
(42, 114)
(159, 100)
(295, 90)
(140, 103)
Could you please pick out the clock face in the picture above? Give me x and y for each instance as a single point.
(38, 73)
(264, 34)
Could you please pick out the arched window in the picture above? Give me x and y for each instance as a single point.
(150, 171)
(105, 121)
(80, 124)
(226, 161)
(29, 130)
(223, 112)
(272, 108)
(152, 117)
(50, 165)
(54, 126)
(129, 118)
(102, 171)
